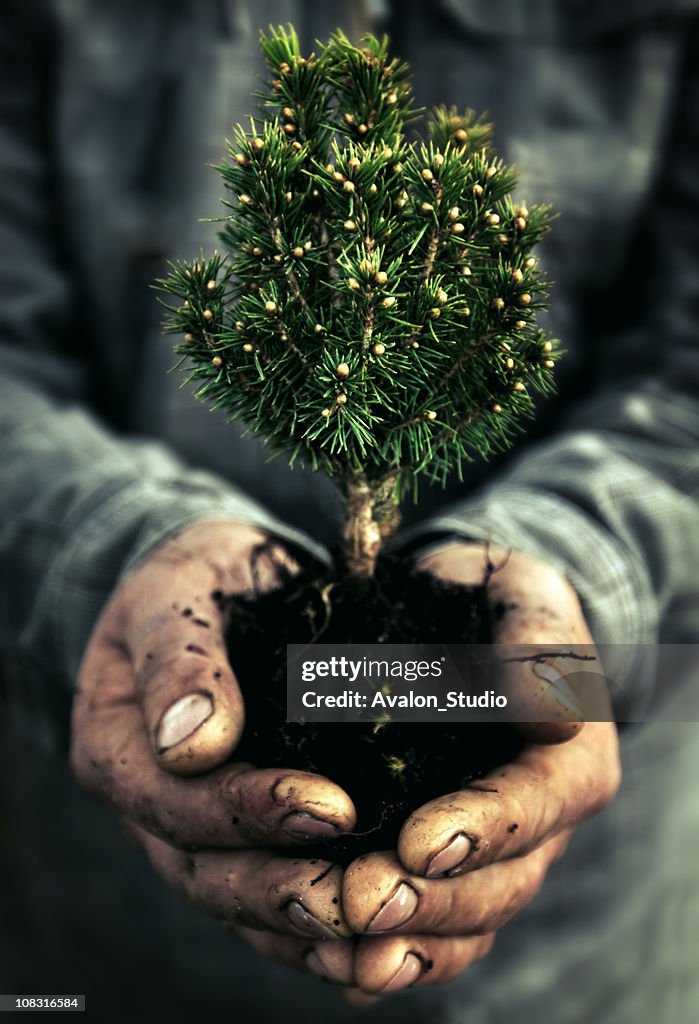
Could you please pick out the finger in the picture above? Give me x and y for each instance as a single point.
(516, 807)
(532, 606)
(174, 635)
(380, 896)
(287, 805)
(390, 964)
(174, 630)
(190, 698)
(333, 961)
(328, 961)
(256, 889)
(112, 757)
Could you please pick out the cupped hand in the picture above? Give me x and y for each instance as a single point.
(467, 862)
(157, 714)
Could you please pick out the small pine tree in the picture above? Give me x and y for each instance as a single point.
(374, 314)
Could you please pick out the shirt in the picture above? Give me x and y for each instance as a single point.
(110, 113)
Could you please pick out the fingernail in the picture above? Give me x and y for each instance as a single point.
(315, 965)
(448, 858)
(307, 923)
(395, 911)
(302, 825)
(406, 975)
(182, 719)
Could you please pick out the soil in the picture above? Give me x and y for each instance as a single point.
(400, 605)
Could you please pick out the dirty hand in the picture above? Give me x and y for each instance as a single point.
(467, 862)
(157, 713)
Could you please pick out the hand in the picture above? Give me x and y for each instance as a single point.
(467, 862)
(157, 714)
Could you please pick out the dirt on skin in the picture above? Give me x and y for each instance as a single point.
(389, 771)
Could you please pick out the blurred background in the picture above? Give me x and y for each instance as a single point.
(111, 114)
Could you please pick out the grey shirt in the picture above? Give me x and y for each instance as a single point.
(110, 113)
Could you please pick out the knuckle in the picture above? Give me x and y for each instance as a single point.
(609, 785)
(92, 770)
(485, 945)
(525, 884)
(559, 847)
(237, 911)
(177, 868)
(519, 894)
(80, 765)
(606, 776)
(486, 918)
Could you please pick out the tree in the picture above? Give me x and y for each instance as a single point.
(374, 312)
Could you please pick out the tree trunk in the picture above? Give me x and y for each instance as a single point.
(372, 515)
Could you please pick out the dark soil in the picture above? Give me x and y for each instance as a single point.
(400, 605)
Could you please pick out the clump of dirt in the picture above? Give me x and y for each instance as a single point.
(388, 771)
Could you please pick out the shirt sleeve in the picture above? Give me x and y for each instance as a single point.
(78, 504)
(610, 498)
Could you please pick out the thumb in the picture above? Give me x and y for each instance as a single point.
(531, 605)
(542, 630)
(189, 695)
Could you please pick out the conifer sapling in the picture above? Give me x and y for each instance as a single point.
(372, 315)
